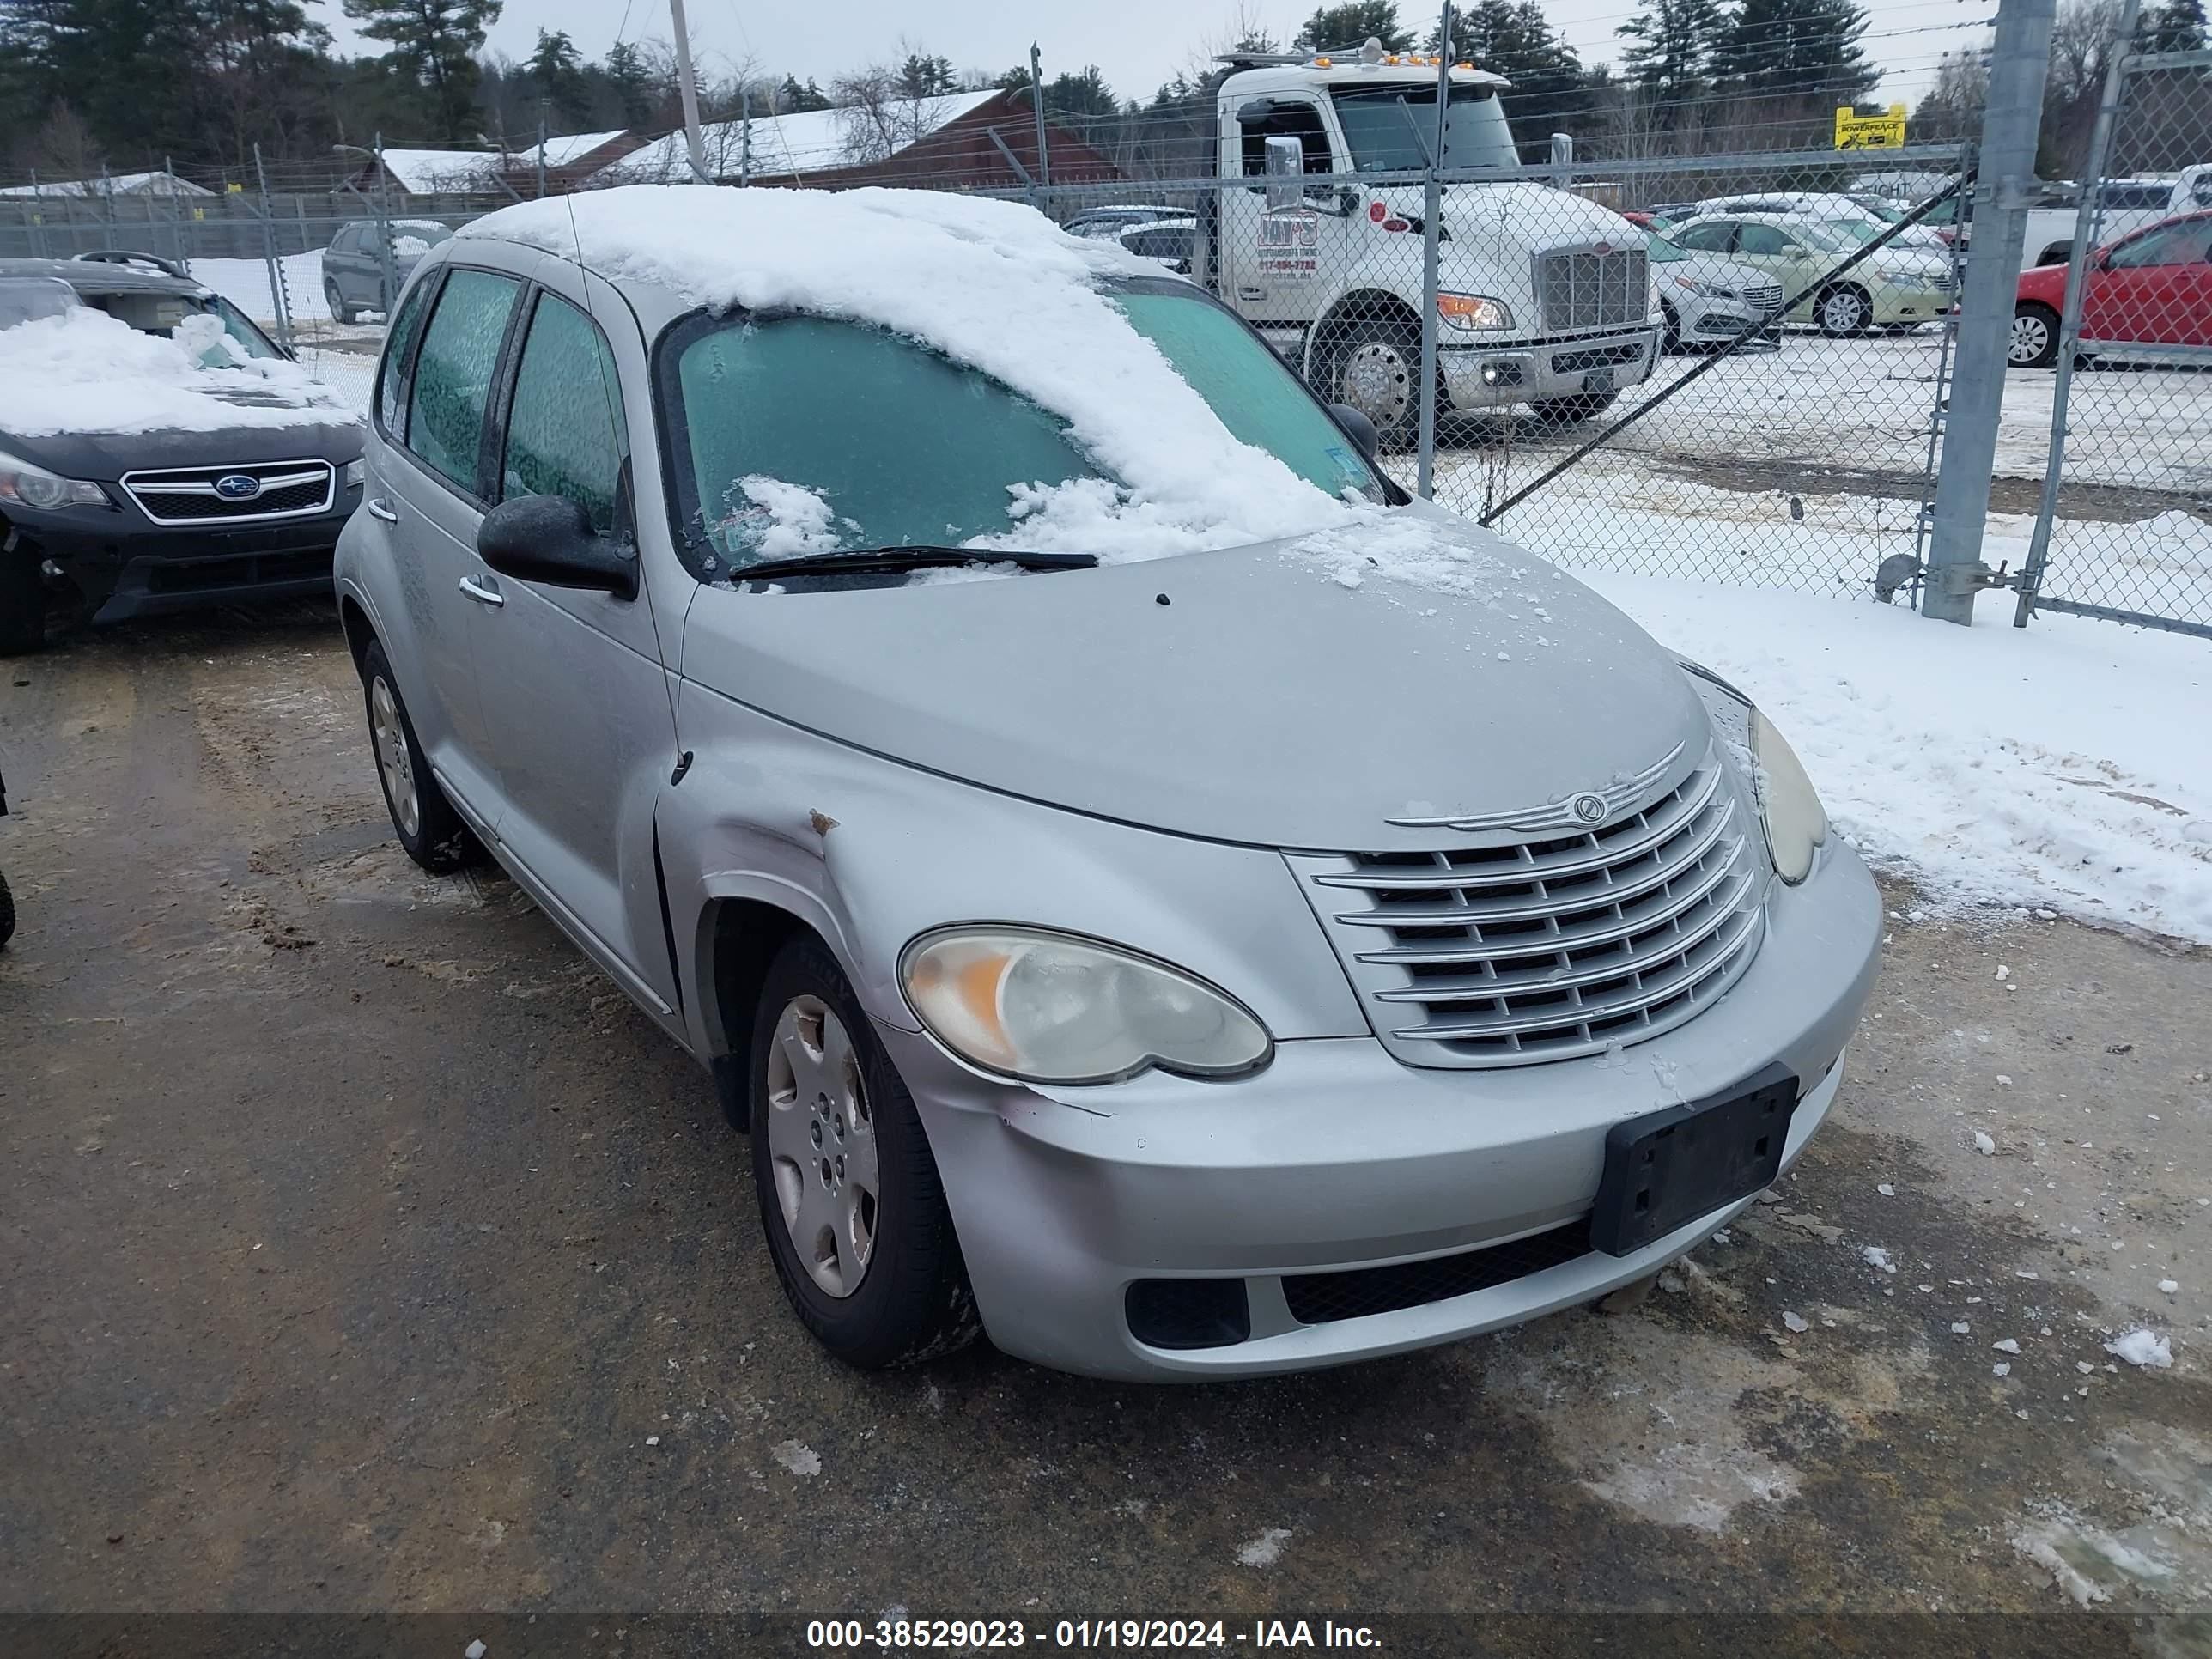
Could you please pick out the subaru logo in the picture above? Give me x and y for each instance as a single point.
(1590, 808)
(238, 486)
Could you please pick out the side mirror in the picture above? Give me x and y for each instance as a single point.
(550, 539)
(1287, 166)
(1361, 429)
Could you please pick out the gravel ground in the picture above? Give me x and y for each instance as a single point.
(365, 1251)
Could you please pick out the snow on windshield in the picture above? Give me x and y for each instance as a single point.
(86, 371)
(784, 520)
(992, 284)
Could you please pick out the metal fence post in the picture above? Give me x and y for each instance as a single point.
(386, 276)
(2069, 312)
(2012, 118)
(1432, 215)
(541, 160)
(277, 296)
(1037, 106)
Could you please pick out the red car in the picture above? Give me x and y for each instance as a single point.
(2154, 287)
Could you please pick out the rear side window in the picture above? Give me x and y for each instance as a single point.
(564, 430)
(452, 385)
(391, 375)
(1761, 238)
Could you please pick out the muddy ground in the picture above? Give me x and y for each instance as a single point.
(364, 1250)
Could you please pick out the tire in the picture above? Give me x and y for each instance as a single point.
(433, 833)
(340, 311)
(2034, 342)
(7, 911)
(879, 1277)
(1844, 312)
(1671, 341)
(1374, 364)
(1573, 411)
(22, 603)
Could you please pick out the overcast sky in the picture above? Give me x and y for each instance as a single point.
(1138, 44)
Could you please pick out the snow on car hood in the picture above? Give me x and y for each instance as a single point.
(993, 285)
(84, 372)
(1293, 694)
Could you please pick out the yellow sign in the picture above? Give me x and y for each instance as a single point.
(1855, 131)
(239, 190)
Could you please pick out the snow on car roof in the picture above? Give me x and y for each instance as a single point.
(990, 284)
(86, 371)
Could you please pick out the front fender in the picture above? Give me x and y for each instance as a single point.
(869, 852)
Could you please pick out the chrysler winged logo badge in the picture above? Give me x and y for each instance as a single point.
(238, 486)
(1583, 809)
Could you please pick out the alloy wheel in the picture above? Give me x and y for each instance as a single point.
(388, 732)
(822, 1146)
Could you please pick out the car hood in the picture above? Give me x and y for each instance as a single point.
(1712, 268)
(1260, 694)
(106, 456)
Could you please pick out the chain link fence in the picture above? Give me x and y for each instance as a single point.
(2117, 344)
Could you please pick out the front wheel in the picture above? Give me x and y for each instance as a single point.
(1843, 312)
(1573, 411)
(432, 832)
(1374, 364)
(22, 602)
(339, 310)
(849, 1195)
(2034, 342)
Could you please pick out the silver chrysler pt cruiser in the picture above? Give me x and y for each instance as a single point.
(1151, 891)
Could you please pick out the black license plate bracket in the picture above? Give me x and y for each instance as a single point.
(1669, 1167)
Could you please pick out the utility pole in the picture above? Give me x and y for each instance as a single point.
(687, 84)
(1432, 215)
(2010, 121)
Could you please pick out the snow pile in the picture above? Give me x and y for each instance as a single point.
(2066, 765)
(2142, 1348)
(993, 285)
(784, 520)
(86, 371)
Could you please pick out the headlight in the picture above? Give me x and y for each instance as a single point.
(1795, 822)
(357, 472)
(34, 486)
(1049, 1008)
(1470, 310)
(1710, 290)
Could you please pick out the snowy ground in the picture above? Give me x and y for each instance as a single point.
(2066, 766)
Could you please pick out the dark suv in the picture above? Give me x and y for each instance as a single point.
(226, 476)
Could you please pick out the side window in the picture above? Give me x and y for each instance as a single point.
(1761, 238)
(1703, 239)
(1301, 121)
(452, 383)
(391, 384)
(2181, 244)
(564, 429)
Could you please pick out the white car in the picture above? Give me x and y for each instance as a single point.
(1830, 205)
(1896, 289)
(1165, 241)
(1105, 223)
(1707, 299)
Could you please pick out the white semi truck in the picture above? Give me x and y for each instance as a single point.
(1544, 298)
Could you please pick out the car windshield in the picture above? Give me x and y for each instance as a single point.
(776, 452)
(1390, 128)
(232, 337)
(1661, 251)
(1836, 235)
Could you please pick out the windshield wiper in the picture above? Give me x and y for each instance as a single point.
(920, 556)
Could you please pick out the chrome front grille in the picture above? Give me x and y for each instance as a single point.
(1764, 298)
(188, 495)
(1599, 287)
(1524, 951)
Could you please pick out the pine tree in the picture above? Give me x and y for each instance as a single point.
(793, 98)
(1800, 49)
(923, 75)
(1674, 45)
(436, 43)
(1514, 38)
(558, 69)
(632, 82)
(1345, 26)
(2176, 25)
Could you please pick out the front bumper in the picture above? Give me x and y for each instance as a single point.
(1337, 1158)
(1478, 376)
(122, 566)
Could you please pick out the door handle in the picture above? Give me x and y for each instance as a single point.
(377, 509)
(490, 596)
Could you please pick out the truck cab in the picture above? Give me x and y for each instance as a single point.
(1544, 298)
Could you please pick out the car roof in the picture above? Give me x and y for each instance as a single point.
(103, 277)
(1170, 222)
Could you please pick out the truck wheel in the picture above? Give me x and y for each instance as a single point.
(429, 828)
(1843, 311)
(849, 1195)
(340, 311)
(1374, 364)
(2034, 342)
(22, 602)
(1572, 411)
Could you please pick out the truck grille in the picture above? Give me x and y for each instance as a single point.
(1599, 287)
(187, 494)
(1764, 298)
(1524, 950)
